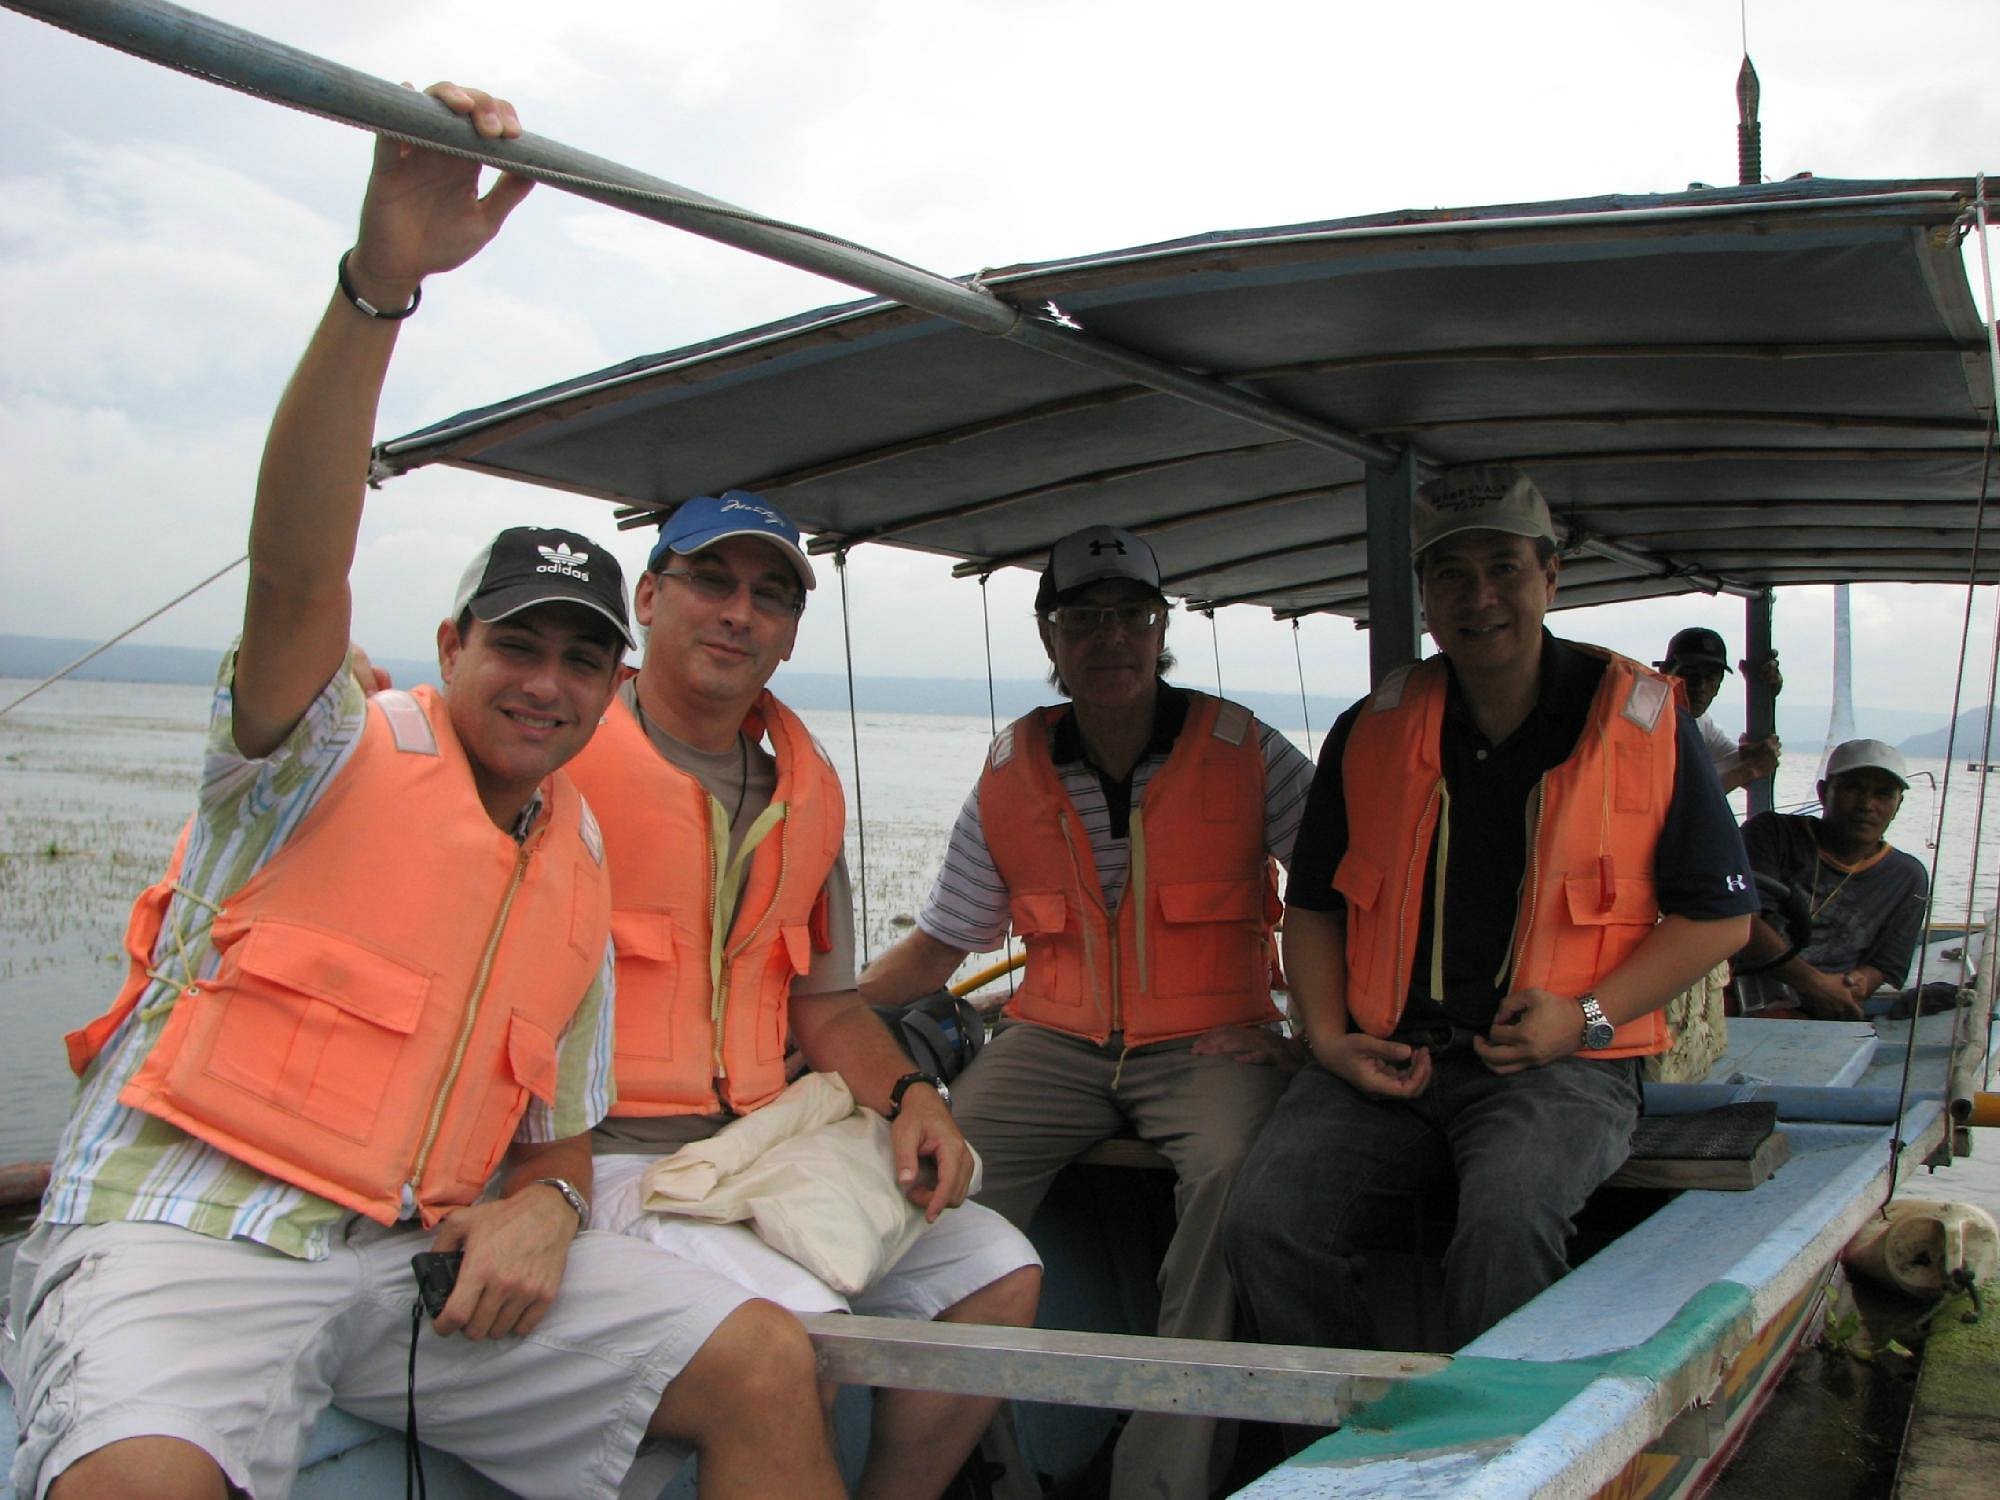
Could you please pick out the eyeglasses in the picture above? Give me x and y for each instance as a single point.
(711, 587)
(1093, 619)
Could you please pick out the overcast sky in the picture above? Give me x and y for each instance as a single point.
(166, 245)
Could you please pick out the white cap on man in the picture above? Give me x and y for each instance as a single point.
(1868, 755)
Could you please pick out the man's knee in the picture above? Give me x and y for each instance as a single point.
(757, 1366)
(1009, 1302)
(163, 1467)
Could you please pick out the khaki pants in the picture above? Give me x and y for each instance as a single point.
(1035, 1099)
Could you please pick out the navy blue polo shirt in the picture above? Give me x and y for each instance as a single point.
(1699, 867)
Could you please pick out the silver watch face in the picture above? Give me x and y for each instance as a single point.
(943, 1092)
(1597, 1028)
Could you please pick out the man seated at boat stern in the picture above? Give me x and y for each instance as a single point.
(1698, 658)
(376, 974)
(1127, 838)
(1863, 896)
(733, 920)
(1514, 854)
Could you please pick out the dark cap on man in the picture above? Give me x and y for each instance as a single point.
(1096, 554)
(1478, 497)
(1697, 646)
(529, 565)
(700, 523)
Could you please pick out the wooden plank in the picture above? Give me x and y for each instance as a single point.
(1706, 1173)
(1121, 1372)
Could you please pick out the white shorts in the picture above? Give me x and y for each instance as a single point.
(134, 1330)
(969, 1247)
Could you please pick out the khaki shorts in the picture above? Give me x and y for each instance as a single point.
(132, 1330)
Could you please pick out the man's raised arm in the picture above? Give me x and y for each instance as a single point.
(422, 214)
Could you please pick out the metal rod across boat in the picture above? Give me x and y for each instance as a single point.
(1193, 1377)
(203, 47)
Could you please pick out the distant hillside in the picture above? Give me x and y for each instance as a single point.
(1970, 725)
(35, 657)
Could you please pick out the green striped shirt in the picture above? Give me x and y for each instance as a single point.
(117, 1163)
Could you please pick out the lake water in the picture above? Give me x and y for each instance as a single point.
(95, 779)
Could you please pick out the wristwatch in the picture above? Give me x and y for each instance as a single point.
(1597, 1027)
(903, 1084)
(570, 1196)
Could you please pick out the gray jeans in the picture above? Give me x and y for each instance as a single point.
(1334, 1170)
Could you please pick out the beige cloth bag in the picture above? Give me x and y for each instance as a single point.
(812, 1173)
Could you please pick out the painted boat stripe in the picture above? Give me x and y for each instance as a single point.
(1478, 1400)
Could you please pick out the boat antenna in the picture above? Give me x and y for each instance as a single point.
(854, 738)
(1215, 645)
(96, 651)
(1749, 130)
(1304, 712)
(986, 626)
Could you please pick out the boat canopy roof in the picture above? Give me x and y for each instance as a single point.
(1728, 388)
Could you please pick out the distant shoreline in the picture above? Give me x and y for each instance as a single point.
(1801, 725)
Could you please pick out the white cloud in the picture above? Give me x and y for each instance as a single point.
(167, 245)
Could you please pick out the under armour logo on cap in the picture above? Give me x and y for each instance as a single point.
(1093, 555)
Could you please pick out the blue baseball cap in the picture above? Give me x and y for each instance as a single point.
(707, 519)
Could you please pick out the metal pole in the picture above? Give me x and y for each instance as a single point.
(1393, 635)
(1762, 711)
(204, 47)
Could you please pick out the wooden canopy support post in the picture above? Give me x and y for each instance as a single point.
(1192, 1377)
(1393, 637)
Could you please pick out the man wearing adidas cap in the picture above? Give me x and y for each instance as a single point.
(1127, 839)
(376, 981)
(1514, 854)
(733, 920)
(1864, 896)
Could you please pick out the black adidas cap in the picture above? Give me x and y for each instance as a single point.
(528, 565)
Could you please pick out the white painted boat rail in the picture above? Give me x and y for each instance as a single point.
(1121, 1372)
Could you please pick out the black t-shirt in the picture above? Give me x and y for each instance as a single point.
(1870, 914)
(1699, 867)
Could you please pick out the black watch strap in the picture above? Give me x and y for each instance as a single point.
(903, 1085)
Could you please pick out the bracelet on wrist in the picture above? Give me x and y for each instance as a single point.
(363, 305)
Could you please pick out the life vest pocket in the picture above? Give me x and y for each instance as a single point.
(1600, 933)
(1227, 958)
(1056, 966)
(795, 955)
(646, 945)
(529, 1071)
(296, 1018)
(1359, 881)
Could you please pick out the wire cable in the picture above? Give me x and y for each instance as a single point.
(854, 737)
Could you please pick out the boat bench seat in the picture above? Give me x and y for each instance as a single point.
(1731, 1148)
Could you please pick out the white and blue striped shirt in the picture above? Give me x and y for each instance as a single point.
(967, 904)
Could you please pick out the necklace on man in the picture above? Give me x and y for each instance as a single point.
(742, 757)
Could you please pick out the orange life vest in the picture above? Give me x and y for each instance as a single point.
(689, 1042)
(390, 985)
(1588, 898)
(1189, 947)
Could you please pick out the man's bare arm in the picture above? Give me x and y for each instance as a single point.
(914, 965)
(838, 1033)
(515, 1246)
(422, 214)
(1535, 1027)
